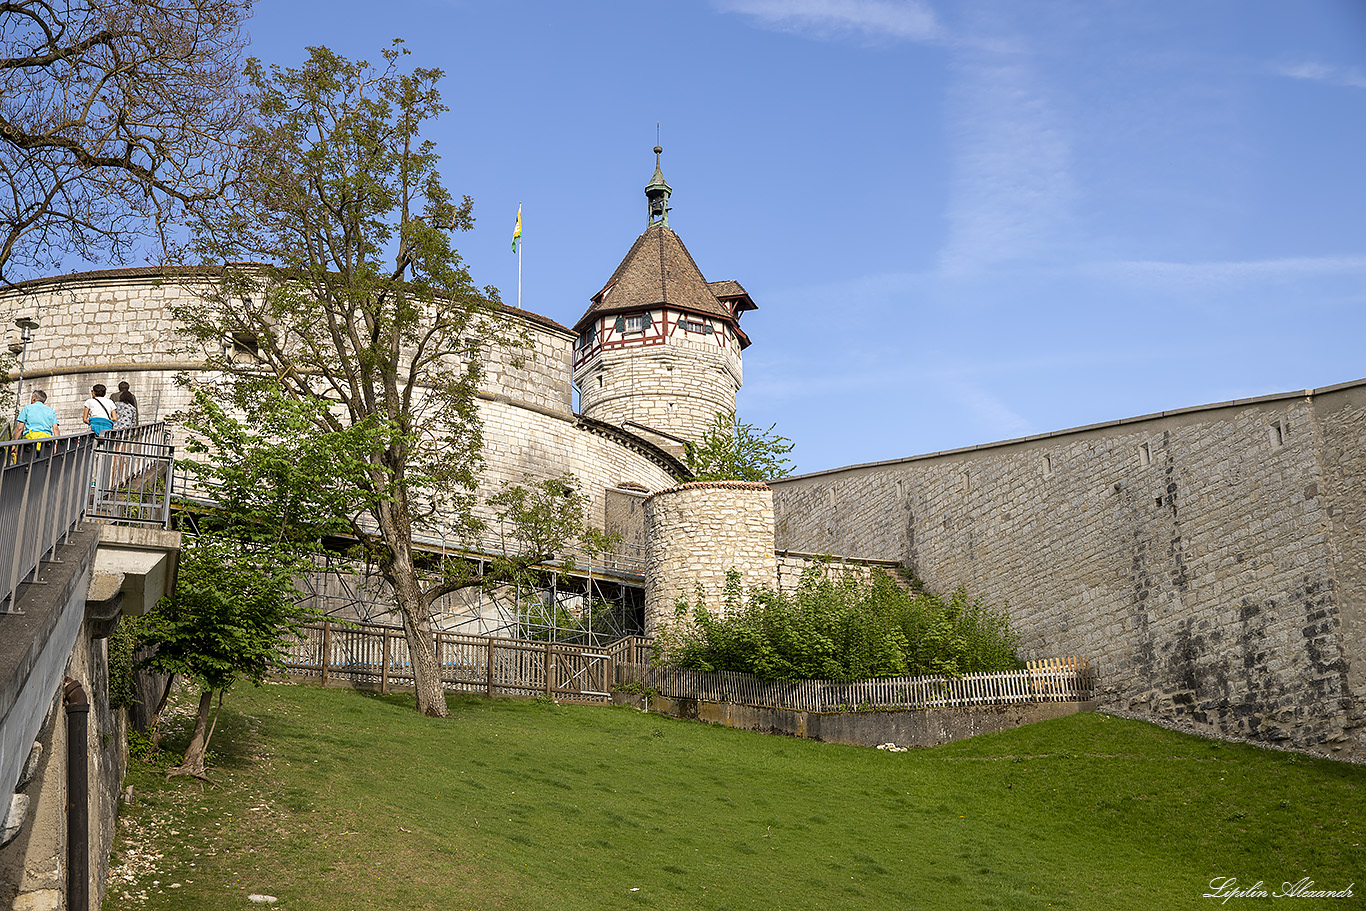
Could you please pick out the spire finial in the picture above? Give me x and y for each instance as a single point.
(657, 195)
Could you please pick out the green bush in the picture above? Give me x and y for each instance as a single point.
(122, 643)
(840, 628)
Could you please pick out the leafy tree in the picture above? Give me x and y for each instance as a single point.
(232, 606)
(114, 114)
(732, 450)
(362, 305)
(235, 599)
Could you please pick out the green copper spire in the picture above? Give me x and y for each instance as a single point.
(657, 193)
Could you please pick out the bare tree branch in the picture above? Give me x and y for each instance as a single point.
(115, 115)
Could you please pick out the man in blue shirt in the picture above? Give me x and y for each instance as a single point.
(37, 420)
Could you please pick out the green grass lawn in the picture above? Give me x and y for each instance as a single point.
(339, 800)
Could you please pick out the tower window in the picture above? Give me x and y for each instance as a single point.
(688, 325)
(633, 324)
(245, 347)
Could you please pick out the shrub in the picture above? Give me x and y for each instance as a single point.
(840, 628)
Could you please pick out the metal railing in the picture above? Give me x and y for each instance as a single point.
(1052, 680)
(132, 478)
(43, 486)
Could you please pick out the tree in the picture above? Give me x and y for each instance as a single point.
(114, 114)
(235, 599)
(362, 304)
(732, 450)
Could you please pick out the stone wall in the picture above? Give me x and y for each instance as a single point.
(696, 533)
(1208, 561)
(107, 327)
(791, 567)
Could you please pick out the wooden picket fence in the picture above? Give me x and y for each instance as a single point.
(1053, 680)
(375, 655)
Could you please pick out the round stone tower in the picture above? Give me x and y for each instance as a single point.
(658, 351)
(695, 534)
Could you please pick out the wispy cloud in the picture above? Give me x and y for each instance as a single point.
(1349, 76)
(901, 20)
(994, 415)
(1012, 187)
(1220, 272)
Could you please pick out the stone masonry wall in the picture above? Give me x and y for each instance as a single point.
(103, 327)
(113, 326)
(791, 566)
(696, 533)
(1208, 561)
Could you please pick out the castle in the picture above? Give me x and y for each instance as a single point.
(1209, 561)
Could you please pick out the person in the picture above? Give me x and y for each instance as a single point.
(132, 399)
(99, 410)
(125, 410)
(37, 420)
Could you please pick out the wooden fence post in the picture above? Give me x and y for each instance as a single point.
(327, 647)
(440, 668)
(488, 662)
(384, 669)
(547, 669)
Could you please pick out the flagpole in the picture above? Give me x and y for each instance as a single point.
(519, 259)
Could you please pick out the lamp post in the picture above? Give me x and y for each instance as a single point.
(26, 326)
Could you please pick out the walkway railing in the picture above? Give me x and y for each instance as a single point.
(132, 480)
(43, 487)
(1056, 680)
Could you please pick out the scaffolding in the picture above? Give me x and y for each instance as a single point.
(576, 598)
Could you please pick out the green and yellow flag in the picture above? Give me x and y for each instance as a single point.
(517, 230)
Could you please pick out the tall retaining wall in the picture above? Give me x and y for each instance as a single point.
(1211, 562)
(695, 534)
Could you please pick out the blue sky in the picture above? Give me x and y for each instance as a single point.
(962, 222)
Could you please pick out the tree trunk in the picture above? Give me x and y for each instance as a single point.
(431, 695)
(417, 630)
(193, 763)
(395, 525)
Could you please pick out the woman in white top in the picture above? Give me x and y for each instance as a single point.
(99, 411)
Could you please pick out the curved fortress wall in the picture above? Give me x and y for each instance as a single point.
(105, 327)
(1210, 561)
(696, 533)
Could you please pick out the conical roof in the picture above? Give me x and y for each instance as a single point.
(658, 271)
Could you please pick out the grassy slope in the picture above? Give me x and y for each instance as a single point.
(339, 800)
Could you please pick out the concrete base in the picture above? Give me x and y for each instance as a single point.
(53, 639)
(911, 728)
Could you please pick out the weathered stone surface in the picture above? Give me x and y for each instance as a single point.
(1210, 562)
(695, 534)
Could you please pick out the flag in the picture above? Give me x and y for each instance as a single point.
(517, 230)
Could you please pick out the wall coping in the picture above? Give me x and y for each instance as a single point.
(1085, 428)
(180, 274)
(710, 485)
